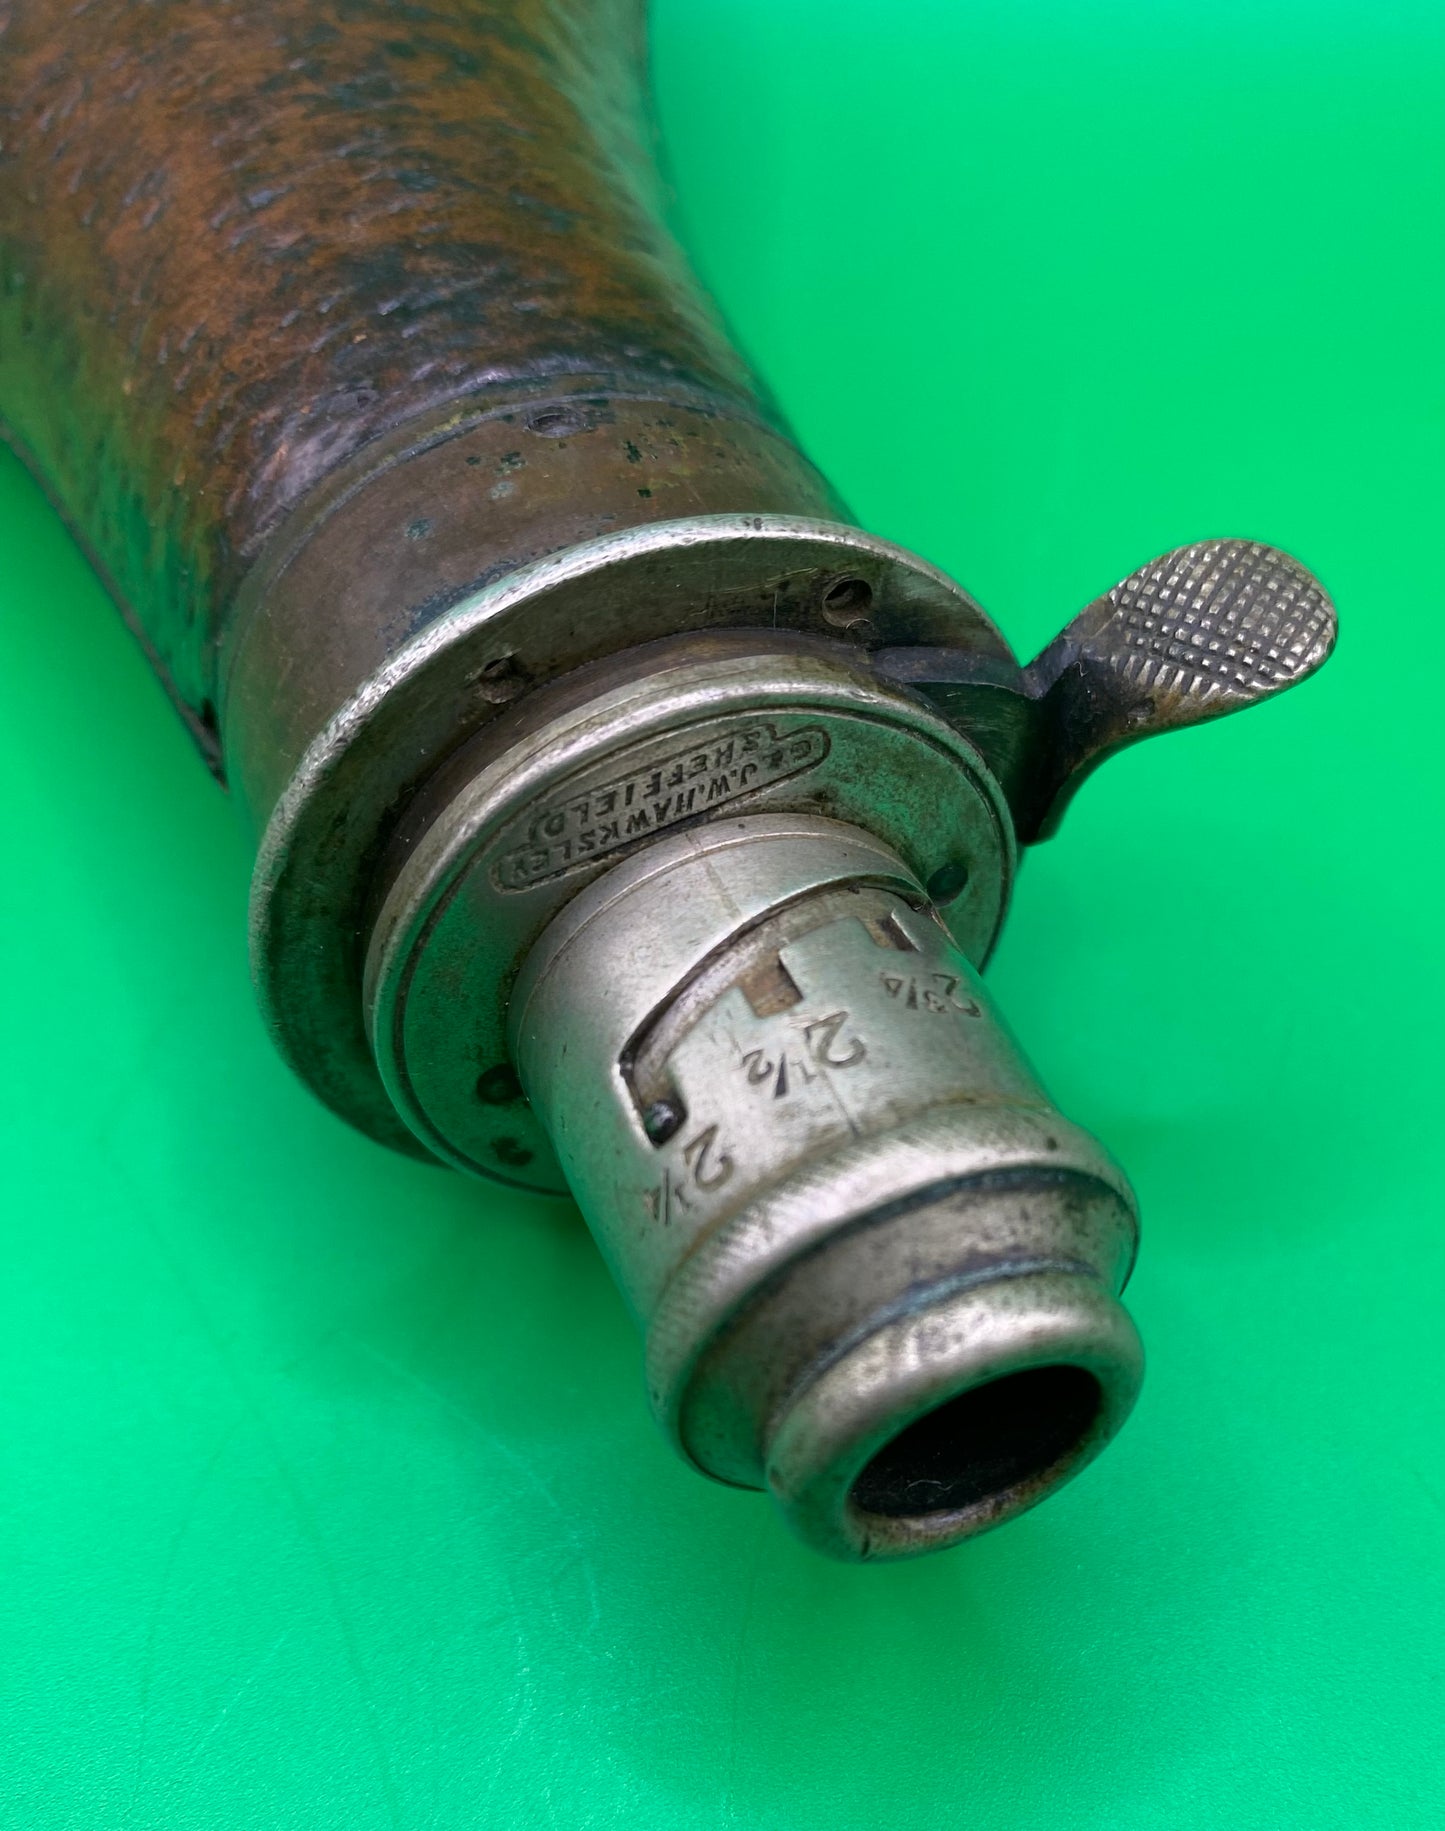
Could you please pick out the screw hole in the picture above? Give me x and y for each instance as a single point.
(508, 1151)
(846, 602)
(947, 881)
(499, 1086)
(555, 422)
(498, 680)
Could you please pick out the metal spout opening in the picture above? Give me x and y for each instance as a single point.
(982, 1444)
(963, 1414)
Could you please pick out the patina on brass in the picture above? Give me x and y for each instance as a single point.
(627, 819)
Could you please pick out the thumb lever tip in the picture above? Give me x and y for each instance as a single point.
(1201, 631)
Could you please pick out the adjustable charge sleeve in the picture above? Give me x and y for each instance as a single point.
(241, 241)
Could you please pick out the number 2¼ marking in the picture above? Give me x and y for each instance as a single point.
(708, 1171)
(666, 1199)
(704, 1165)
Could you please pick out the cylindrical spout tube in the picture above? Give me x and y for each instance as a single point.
(877, 1269)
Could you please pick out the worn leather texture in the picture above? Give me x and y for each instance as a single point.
(239, 239)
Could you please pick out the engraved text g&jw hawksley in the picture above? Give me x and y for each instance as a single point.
(577, 825)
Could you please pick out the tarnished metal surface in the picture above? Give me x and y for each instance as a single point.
(602, 766)
(338, 801)
(726, 1036)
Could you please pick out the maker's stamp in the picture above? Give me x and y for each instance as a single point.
(604, 811)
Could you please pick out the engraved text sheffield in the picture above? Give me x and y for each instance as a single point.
(573, 827)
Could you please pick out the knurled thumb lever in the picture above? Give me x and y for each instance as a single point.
(1201, 631)
(629, 822)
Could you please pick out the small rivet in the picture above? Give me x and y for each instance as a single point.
(662, 1119)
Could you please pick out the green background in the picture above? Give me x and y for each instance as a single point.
(329, 1495)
